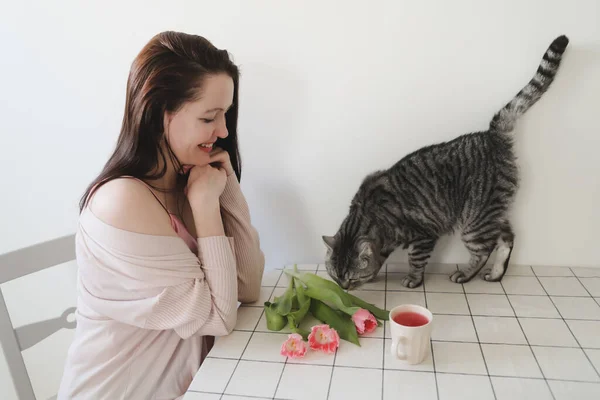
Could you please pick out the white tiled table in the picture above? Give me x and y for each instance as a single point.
(535, 336)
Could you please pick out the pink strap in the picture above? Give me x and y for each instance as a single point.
(151, 191)
(176, 224)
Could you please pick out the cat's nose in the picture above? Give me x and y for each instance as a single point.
(345, 284)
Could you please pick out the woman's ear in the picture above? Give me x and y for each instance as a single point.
(167, 117)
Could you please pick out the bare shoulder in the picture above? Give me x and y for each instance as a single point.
(129, 205)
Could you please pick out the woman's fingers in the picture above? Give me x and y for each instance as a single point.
(221, 158)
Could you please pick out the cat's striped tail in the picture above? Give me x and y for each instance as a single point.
(504, 120)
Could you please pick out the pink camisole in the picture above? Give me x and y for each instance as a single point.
(182, 232)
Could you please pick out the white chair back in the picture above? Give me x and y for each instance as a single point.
(37, 300)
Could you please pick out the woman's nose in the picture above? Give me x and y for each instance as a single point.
(221, 130)
(222, 133)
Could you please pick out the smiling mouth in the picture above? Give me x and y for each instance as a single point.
(206, 147)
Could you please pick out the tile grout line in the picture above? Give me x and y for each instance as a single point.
(248, 343)
(529, 378)
(419, 290)
(434, 341)
(233, 395)
(331, 376)
(332, 365)
(460, 315)
(420, 372)
(487, 371)
(597, 302)
(413, 370)
(280, 376)
(441, 340)
(286, 359)
(514, 276)
(384, 326)
(527, 339)
(478, 315)
(437, 388)
(568, 327)
(585, 287)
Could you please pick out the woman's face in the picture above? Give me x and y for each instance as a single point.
(195, 127)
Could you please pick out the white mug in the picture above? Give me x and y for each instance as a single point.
(410, 343)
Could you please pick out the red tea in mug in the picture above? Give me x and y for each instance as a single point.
(410, 318)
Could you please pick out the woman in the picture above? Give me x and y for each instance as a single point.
(165, 246)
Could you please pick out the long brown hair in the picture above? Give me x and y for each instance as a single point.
(168, 72)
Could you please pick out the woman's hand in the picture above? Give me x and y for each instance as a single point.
(205, 184)
(204, 187)
(220, 158)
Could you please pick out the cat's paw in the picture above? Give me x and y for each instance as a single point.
(412, 282)
(486, 274)
(494, 273)
(459, 277)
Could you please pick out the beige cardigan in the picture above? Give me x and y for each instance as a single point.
(145, 303)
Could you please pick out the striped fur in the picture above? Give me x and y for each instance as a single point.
(467, 185)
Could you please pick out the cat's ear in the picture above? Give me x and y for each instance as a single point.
(366, 249)
(329, 241)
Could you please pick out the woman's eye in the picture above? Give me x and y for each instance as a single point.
(206, 120)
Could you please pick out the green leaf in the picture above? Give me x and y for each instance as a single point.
(329, 297)
(295, 303)
(299, 314)
(373, 309)
(348, 299)
(336, 320)
(315, 281)
(275, 321)
(296, 316)
(299, 290)
(284, 305)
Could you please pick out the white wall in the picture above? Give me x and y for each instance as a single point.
(330, 91)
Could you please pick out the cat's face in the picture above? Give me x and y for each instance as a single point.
(351, 263)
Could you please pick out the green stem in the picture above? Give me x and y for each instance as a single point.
(297, 329)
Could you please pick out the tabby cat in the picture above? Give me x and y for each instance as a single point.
(466, 184)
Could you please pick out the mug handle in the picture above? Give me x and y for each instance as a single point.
(397, 345)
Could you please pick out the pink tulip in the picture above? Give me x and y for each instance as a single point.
(364, 321)
(323, 338)
(293, 347)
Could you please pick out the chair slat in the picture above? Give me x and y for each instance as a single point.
(35, 258)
